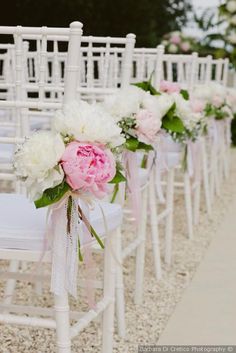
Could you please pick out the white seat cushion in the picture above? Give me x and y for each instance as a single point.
(23, 227)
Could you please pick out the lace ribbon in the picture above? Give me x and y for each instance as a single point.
(65, 245)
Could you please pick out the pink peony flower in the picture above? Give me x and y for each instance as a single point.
(175, 39)
(148, 126)
(88, 167)
(185, 46)
(169, 87)
(197, 105)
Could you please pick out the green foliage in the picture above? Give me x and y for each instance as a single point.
(147, 87)
(212, 111)
(217, 44)
(148, 19)
(118, 178)
(233, 130)
(174, 125)
(184, 94)
(52, 195)
(171, 122)
(133, 144)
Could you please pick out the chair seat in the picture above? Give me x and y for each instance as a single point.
(23, 227)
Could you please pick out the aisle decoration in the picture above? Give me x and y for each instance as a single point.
(66, 169)
(179, 120)
(214, 97)
(136, 113)
(178, 43)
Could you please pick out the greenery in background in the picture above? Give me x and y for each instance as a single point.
(233, 130)
(219, 44)
(148, 19)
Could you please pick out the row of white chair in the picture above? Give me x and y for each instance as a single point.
(39, 81)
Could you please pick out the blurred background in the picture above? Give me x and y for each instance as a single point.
(206, 26)
(183, 26)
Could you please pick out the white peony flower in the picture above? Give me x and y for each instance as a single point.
(151, 103)
(202, 92)
(125, 102)
(37, 161)
(173, 48)
(211, 93)
(185, 112)
(88, 122)
(164, 103)
(231, 6)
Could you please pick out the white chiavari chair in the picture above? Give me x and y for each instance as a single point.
(147, 64)
(105, 67)
(216, 71)
(22, 238)
(184, 69)
(178, 68)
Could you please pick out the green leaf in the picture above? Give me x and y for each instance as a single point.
(95, 235)
(144, 162)
(209, 110)
(81, 259)
(115, 192)
(185, 94)
(52, 195)
(143, 85)
(171, 112)
(131, 144)
(144, 146)
(148, 87)
(118, 178)
(174, 124)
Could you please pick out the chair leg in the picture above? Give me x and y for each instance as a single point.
(206, 179)
(216, 173)
(197, 192)
(188, 204)
(212, 175)
(169, 218)
(120, 297)
(154, 228)
(62, 312)
(140, 253)
(11, 283)
(110, 269)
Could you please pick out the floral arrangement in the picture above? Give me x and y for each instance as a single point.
(214, 99)
(177, 43)
(76, 159)
(138, 116)
(178, 118)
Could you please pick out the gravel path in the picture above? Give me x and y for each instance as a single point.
(146, 322)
